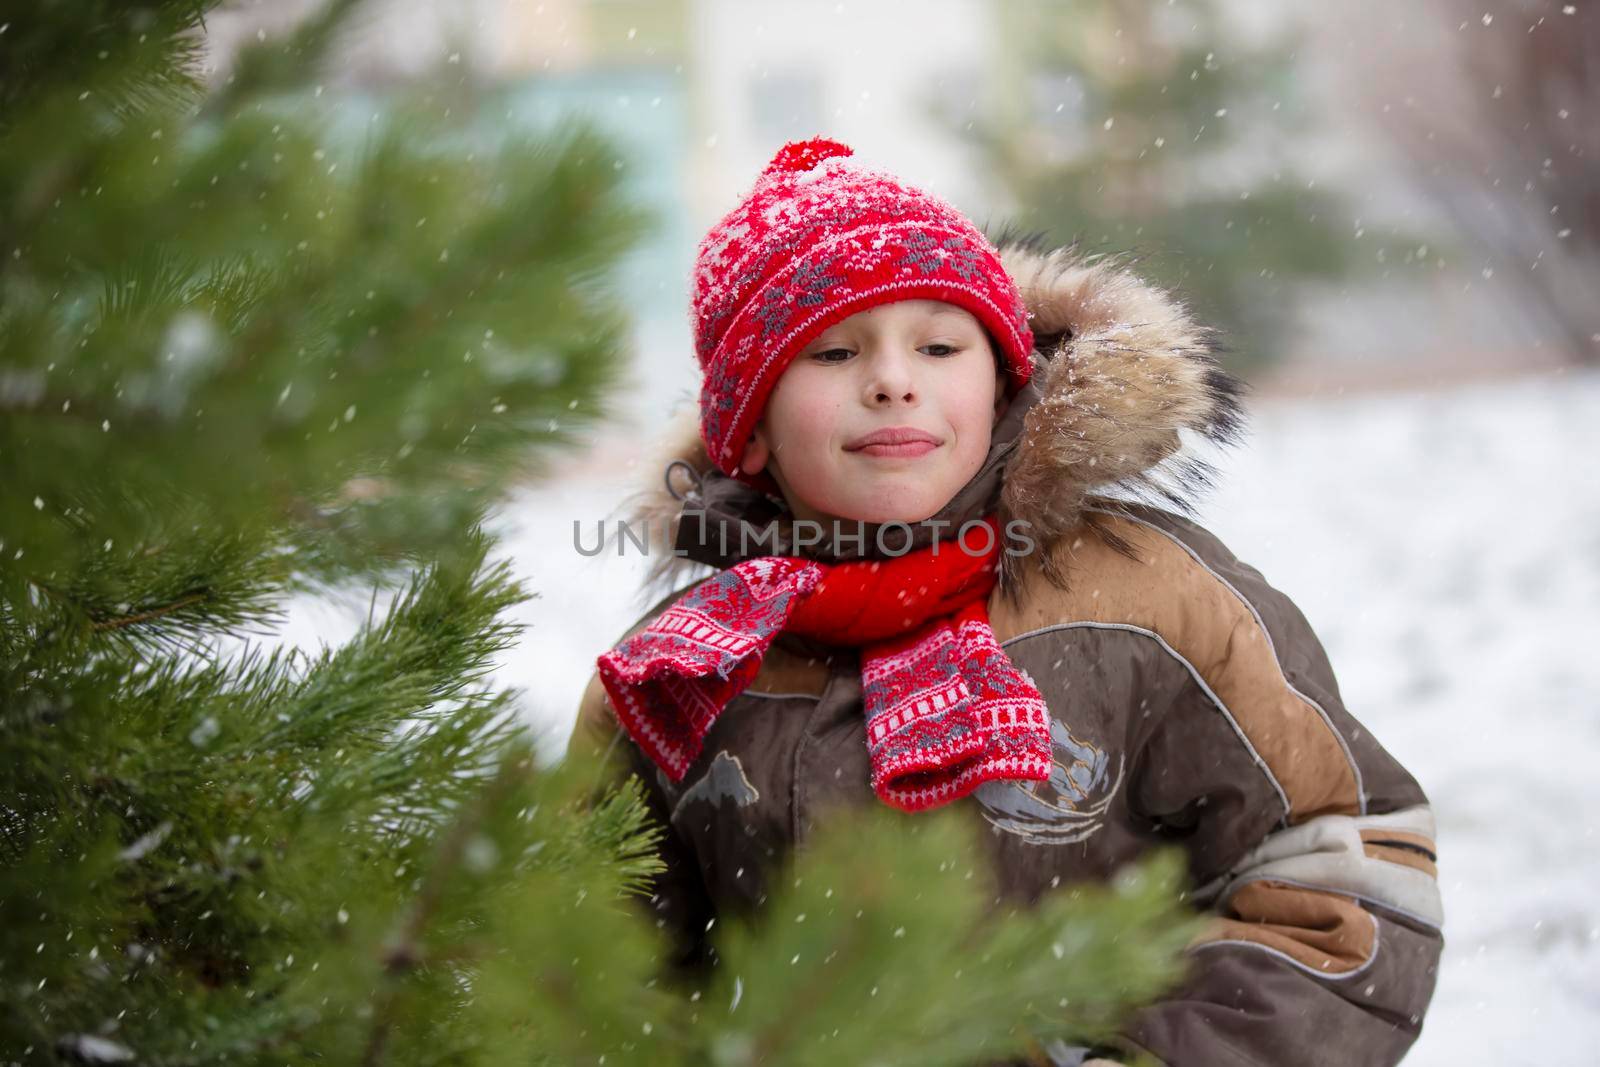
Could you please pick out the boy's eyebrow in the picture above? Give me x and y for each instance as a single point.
(945, 310)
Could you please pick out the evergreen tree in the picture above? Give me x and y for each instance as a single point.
(246, 357)
(1161, 130)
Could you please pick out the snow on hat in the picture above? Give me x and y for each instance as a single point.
(819, 238)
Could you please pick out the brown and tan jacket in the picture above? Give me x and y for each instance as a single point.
(1192, 702)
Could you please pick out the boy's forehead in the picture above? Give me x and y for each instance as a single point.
(910, 309)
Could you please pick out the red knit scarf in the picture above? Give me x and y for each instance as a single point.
(946, 710)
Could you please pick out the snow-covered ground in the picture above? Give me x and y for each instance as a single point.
(1446, 546)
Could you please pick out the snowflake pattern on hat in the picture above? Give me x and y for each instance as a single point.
(931, 256)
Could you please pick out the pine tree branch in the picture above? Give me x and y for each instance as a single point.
(193, 314)
(153, 613)
(808, 999)
(67, 407)
(283, 61)
(404, 952)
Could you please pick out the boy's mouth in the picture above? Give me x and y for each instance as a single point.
(894, 441)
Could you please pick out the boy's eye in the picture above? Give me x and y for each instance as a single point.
(844, 353)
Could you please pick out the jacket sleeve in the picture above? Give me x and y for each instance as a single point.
(1311, 847)
(677, 899)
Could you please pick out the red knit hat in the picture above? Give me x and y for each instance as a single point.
(819, 238)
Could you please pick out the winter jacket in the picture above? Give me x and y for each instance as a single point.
(1192, 705)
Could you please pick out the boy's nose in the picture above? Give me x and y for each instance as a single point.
(891, 377)
(883, 399)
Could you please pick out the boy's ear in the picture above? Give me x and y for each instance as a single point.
(756, 452)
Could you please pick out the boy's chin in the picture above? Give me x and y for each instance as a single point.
(911, 504)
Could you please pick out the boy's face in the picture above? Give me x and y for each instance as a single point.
(919, 365)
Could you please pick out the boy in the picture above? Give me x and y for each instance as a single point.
(1089, 675)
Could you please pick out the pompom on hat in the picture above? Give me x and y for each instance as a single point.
(820, 237)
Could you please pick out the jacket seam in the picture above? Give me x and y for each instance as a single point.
(1355, 768)
(1194, 673)
(796, 786)
(1367, 901)
(1366, 964)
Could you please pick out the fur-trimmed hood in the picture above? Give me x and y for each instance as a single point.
(1121, 370)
